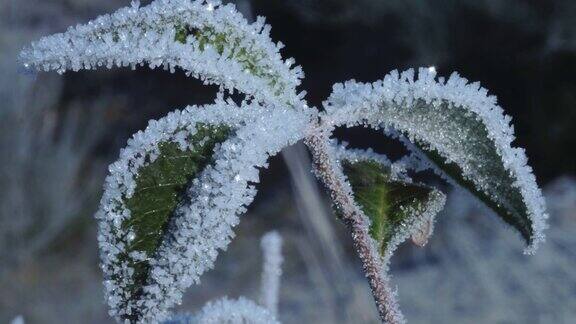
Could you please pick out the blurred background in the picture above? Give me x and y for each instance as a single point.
(58, 134)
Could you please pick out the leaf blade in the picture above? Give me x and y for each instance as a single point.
(397, 209)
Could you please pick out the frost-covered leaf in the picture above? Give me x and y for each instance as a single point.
(172, 198)
(206, 39)
(160, 186)
(397, 207)
(389, 204)
(462, 133)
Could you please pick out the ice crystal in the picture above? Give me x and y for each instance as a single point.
(240, 311)
(460, 129)
(398, 169)
(203, 223)
(206, 39)
(374, 227)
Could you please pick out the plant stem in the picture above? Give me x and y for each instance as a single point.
(357, 223)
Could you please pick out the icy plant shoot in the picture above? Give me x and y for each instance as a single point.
(174, 196)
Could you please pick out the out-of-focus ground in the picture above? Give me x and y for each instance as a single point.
(58, 133)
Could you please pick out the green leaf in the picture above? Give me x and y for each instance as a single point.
(159, 189)
(396, 209)
(507, 204)
(458, 131)
(486, 176)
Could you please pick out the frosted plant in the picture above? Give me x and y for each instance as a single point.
(176, 192)
(243, 310)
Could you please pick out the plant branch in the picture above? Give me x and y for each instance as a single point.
(331, 175)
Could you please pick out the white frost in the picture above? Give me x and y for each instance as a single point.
(216, 198)
(222, 48)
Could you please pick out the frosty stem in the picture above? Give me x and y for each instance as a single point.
(326, 169)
